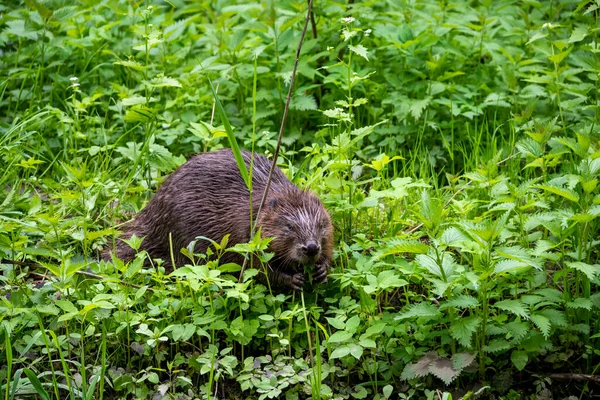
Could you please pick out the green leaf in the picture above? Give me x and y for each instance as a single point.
(130, 64)
(360, 50)
(580, 303)
(591, 271)
(509, 265)
(340, 352)
(462, 301)
(519, 359)
(17, 27)
(578, 34)
(397, 246)
(464, 328)
(497, 345)
(164, 81)
(566, 193)
(513, 306)
(340, 336)
(420, 310)
(519, 254)
(542, 323)
(337, 322)
(303, 103)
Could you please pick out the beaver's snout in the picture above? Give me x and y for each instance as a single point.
(311, 248)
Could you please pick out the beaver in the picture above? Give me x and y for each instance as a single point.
(207, 196)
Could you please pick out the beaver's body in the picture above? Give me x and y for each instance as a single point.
(207, 197)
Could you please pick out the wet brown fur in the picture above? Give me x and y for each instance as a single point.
(207, 197)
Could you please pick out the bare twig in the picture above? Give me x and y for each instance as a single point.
(574, 377)
(313, 23)
(281, 128)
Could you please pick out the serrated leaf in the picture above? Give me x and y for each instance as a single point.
(513, 306)
(164, 81)
(130, 64)
(580, 302)
(508, 265)
(462, 301)
(542, 323)
(517, 329)
(420, 310)
(303, 103)
(464, 328)
(591, 271)
(442, 369)
(563, 192)
(520, 254)
(452, 236)
(497, 345)
(557, 317)
(418, 106)
(360, 50)
(461, 361)
(578, 34)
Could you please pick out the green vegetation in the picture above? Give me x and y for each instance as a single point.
(454, 143)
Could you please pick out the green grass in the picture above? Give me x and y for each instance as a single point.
(455, 145)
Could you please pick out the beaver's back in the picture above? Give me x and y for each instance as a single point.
(207, 197)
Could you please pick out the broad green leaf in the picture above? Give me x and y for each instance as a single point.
(340, 352)
(340, 336)
(519, 359)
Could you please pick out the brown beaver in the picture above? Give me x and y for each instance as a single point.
(207, 197)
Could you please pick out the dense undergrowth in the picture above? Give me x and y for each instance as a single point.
(455, 145)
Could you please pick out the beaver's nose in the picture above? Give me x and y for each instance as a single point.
(311, 248)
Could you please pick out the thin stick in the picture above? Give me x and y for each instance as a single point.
(281, 128)
(285, 113)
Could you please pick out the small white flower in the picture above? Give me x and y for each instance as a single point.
(74, 79)
(150, 25)
(329, 48)
(348, 20)
(75, 85)
(150, 8)
(368, 32)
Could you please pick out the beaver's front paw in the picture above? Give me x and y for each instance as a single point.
(320, 273)
(296, 281)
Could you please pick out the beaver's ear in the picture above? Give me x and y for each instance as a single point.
(273, 202)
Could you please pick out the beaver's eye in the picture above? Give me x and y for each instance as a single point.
(289, 226)
(323, 224)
